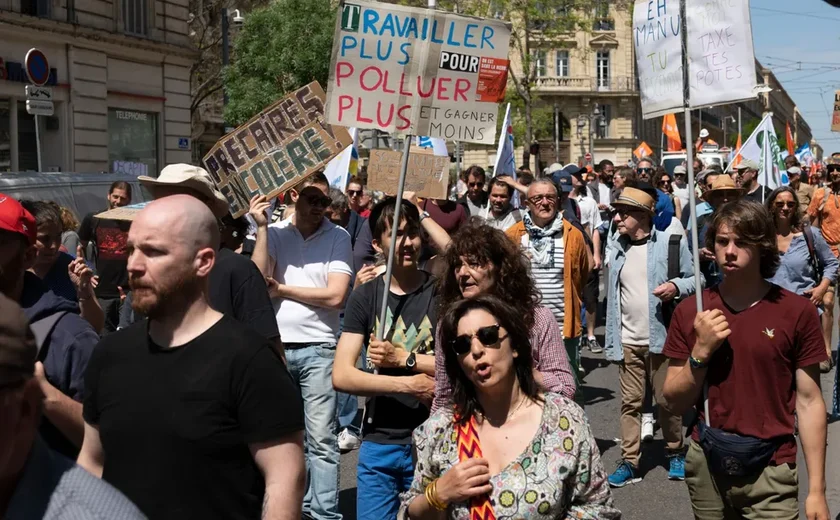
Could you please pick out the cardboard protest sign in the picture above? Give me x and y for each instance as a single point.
(657, 36)
(427, 175)
(835, 119)
(128, 213)
(415, 71)
(720, 54)
(276, 149)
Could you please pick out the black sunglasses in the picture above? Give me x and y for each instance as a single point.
(354, 193)
(645, 170)
(832, 168)
(488, 336)
(318, 201)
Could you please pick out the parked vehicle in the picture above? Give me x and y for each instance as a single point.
(710, 155)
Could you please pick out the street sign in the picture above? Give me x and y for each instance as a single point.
(39, 93)
(184, 143)
(39, 108)
(37, 67)
(588, 157)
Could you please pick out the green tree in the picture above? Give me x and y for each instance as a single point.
(279, 49)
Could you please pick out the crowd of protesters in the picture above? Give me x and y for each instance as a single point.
(197, 365)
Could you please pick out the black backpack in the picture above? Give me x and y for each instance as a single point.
(814, 260)
(673, 272)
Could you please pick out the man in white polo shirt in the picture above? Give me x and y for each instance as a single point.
(306, 259)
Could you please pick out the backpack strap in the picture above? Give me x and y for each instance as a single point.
(674, 256)
(808, 234)
(42, 330)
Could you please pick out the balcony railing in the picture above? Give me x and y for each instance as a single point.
(586, 83)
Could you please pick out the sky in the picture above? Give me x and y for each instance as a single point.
(800, 42)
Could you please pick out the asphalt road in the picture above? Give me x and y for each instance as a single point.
(655, 497)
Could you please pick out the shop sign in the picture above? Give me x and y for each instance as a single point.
(15, 71)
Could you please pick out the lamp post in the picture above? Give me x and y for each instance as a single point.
(581, 124)
(726, 120)
(594, 119)
(238, 20)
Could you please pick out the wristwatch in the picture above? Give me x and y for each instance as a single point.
(696, 363)
(411, 361)
(424, 216)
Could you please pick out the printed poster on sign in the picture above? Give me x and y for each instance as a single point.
(276, 149)
(413, 71)
(835, 119)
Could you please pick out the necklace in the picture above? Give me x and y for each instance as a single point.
(510, 414)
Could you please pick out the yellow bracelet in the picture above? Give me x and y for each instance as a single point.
(432, 498)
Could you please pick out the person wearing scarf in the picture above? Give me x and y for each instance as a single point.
(560, 257)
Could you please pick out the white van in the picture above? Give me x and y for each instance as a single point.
(81, 192)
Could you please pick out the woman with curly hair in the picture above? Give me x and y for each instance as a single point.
(504, 447)
(482, 260)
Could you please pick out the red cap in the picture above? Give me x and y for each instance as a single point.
(14, 218)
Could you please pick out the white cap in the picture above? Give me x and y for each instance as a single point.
(193, 178)
(704, 133)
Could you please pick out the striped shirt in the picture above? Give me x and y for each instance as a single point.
(548, 352)
(549, 277)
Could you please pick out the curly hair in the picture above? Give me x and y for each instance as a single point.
(511, 269)
(507, 316)
(796, 217)
(754, 226)
(658, 177)
(68, 219)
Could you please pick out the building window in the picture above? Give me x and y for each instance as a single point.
(603, 127)
(562, 64)
(133, 142)
(602, 70)
(135, 14)
(539, 62)
(601, 20)
(40, 8)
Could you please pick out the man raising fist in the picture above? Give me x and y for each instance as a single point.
(754, 355)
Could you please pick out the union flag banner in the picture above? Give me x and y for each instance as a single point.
(672, 133)
(642, 151)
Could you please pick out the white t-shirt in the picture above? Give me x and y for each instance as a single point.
(682, 194)
(590, 215)
(307, 263)
(635, 298)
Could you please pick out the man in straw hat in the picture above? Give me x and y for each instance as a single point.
(237, 287)
(36, 482)
(641, 292)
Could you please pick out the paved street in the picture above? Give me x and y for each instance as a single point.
(654, 497)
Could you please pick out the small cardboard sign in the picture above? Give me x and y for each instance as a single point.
(835, 119)
(278, 148)
(427, 174)
(123, 213)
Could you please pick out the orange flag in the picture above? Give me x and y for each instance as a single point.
(672, 133)
(791, 147)
(642, 151)
(737, 160)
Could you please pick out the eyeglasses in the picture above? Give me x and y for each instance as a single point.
(354, 193)
(488, 336)
(782, 205)
(321, 201)
(536, 199)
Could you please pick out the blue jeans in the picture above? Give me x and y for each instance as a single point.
(348, 405)
(384, 471)
(311, 367)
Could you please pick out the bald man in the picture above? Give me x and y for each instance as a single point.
(190, 413)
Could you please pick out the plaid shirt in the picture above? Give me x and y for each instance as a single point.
(547, 349)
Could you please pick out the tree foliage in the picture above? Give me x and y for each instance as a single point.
(279, 49)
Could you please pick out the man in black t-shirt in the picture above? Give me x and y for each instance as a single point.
(400, 393)
(190, 413)
(237, 288)
(109, 237)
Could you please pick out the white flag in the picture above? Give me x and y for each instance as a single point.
(345, 164)
(505, 161)
(437, 144)
(763, 148)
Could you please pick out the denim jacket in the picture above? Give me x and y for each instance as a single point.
(657, 274)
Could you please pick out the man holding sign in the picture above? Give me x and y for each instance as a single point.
(306, 260)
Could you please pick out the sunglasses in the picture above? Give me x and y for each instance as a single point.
(782, 205)
(664, 181)
(645, 170)
(475, 184)
(321, 201)
(354, 193)
(488, 336)
(833, 168)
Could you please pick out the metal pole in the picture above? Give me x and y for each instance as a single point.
(739, 121)
(225, 49)
(592, 124)
(458, 158)
(38, 144)
(556, 133)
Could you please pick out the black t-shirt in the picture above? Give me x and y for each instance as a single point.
(110, 237)
(175, 424)
(392, 418)
(237, 289)
(756, 196)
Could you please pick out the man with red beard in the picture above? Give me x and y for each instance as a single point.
(190, 413)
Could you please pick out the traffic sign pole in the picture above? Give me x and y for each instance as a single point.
(38, 143)
(38, 70)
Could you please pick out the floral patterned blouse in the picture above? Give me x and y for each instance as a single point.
(558, 476)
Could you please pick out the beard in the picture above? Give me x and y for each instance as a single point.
(166, 298)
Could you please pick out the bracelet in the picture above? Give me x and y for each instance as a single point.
(432, 498)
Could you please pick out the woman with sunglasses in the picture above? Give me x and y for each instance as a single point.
(481, 260)
(503, 446)
(665, 184)
(807, 266)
